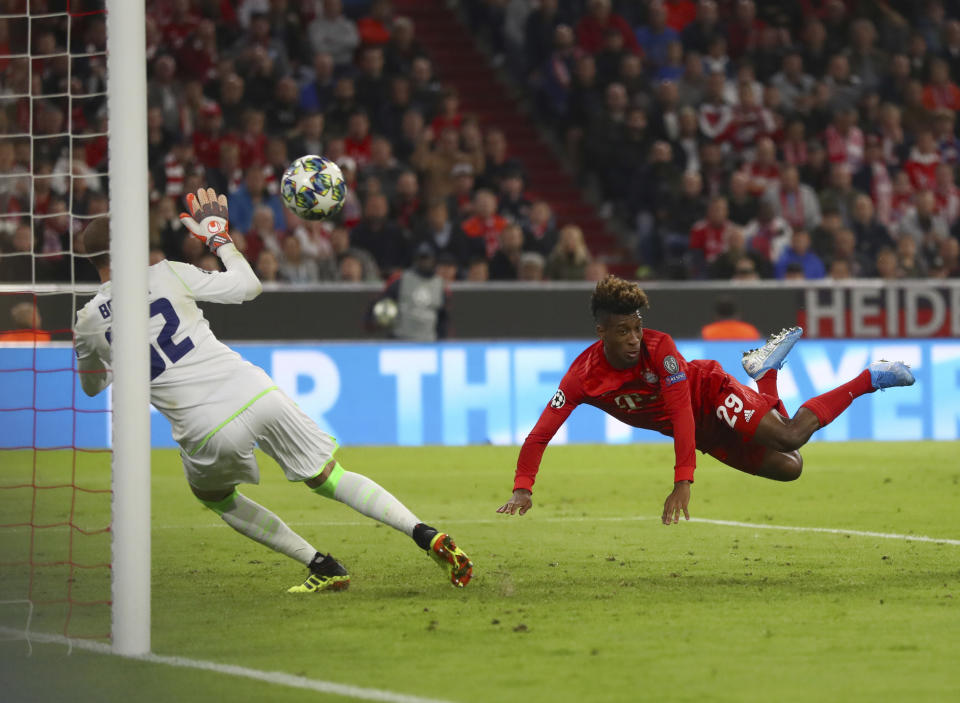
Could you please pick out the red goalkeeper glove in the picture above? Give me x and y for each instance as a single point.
(210, 209)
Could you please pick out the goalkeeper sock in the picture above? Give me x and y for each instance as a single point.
(367, 497)
(259, 524)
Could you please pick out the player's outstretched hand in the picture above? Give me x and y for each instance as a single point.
(207, 220)
(520, 500)
(678, 500)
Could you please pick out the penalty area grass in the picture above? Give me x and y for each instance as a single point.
(586, 598)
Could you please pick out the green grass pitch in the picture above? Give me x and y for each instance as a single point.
(586, 598)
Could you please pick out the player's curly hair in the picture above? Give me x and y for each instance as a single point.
(615, 296)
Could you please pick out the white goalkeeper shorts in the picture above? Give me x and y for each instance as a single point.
(278, 426)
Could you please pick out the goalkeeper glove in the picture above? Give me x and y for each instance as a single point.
(211, 211)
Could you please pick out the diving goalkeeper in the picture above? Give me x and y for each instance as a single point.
(220, 406)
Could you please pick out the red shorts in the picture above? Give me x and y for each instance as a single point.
(728, 416)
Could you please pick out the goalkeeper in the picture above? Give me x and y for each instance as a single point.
(220, 406)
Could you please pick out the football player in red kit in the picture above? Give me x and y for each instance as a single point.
(638, 376)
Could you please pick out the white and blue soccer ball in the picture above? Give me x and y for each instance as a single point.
(313, 187)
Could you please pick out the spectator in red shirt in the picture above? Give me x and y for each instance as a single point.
(941, 92)
(598, 19)
(207, 138)
(922, 163)
(708, 237)
(449, 115)
(374, 29)
(484, 228)
(357, 143)
(743, 33)
(845, 140)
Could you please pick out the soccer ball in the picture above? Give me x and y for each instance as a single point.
(385, 311)
(313, 187)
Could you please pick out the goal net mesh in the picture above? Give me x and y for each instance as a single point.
(54, 441)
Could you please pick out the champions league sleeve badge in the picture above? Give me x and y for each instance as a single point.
(670, 364)
(559, 400)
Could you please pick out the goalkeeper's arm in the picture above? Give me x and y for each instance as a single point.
(94, 374)
(207, 222)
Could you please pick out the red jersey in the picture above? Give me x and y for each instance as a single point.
(659, 393)
(697, 403)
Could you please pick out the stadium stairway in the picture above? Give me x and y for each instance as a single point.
(459, 62)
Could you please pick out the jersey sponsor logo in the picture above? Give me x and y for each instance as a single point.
(633, 401)
(670, 364)
(650, 377)
(747, 414)
(675, 378)
(559, 400)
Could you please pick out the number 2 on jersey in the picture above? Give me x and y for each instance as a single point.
(174, 351)
(735, 404)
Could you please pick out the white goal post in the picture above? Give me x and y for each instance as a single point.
(127, 114)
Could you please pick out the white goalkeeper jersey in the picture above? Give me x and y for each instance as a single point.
(196, 381)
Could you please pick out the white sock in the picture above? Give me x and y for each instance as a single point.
(369, 498)
(259, 524)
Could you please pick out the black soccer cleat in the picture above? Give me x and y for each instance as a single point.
(326, 574)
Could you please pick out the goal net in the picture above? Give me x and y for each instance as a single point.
(55, 458)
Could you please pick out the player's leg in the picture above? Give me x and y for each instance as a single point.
(213, 473)
(789, 434)
(299, 446)
(758, 460)
(763, 364)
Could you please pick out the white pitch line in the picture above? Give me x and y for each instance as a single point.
(623, 518)
(275, 677)
(832, 531)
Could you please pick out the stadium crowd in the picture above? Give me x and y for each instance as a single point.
(738, 140)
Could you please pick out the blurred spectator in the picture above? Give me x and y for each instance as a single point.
(253, 192)
(853, 263)
(333, 32)
(885, 265)
(655, 36)
(317, 83)
(505, 263)
(792, 83)
(402, 48)
(941, 92)
(513, 203)
(727, 323)
(708, 237)
(698, 35)
(569, 258)
(870, 233)
(922, 224)
(947, 194)
(26, 325)
(593, 25)
(437, 164)
(596, 270)
(208, 262)
(478, 271)
(768, 234)
(800, 253)
(540, 231)
(794, 201)
(362, 264)
(839, 194)
(496, 161)
(407, 208)
(946, 263)
(267, 267)
(422, 299)
(922, 163)
(374, 27)
(294, 266)
(910, 262)
(746, 270)
(460, 200)
(483, 229)
(384, 239)
(447, 268)
(444, 235)
(371, 83)
(532, 267)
